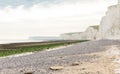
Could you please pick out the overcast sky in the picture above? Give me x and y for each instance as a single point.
(24, 18)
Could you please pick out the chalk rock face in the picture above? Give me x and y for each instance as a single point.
(109, 27)
(70, 36)
(118, 1)
(110, 24)
(89, 34)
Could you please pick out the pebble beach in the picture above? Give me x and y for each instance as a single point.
(67, 58)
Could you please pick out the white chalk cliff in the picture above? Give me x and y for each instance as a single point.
(89, 34)
(110, 24)
(109, 27)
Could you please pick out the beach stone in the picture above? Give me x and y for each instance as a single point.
(28, 71)
(75, 63)
(56, 67)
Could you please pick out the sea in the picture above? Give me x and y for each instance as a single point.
(18, 41)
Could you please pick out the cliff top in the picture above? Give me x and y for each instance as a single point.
(73, 33)
(95, 27)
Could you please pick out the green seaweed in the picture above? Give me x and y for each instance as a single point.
(9, 50)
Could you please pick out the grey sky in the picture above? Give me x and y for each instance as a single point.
(14, 3)
(24, 18)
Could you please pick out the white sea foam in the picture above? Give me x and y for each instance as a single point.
(17, 55)
(57, 48)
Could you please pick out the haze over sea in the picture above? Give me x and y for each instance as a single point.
(20, 19)
(18, 41)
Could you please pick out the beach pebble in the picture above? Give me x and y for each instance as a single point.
(56, 67)
(28, 71)
(75, 63)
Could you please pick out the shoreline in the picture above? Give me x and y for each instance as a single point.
(29, 53)
(21, 48)
(17, 55)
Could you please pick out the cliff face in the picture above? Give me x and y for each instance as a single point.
(110, 24)
(109, 27)
(71, 36)
(89, 34)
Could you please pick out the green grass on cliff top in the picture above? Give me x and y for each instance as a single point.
(95, 27)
